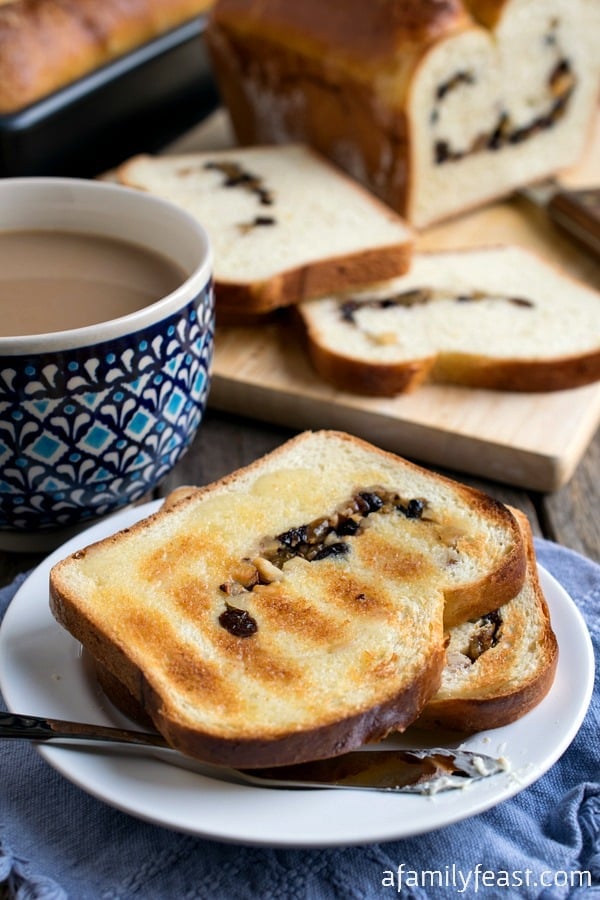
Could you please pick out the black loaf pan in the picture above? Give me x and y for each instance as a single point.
(137, 103)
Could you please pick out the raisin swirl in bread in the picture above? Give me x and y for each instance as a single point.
(284, 223)
(500, 666)
(498, 318)
(436, 105)
(295, 609)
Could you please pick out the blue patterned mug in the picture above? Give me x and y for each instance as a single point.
(93, 417)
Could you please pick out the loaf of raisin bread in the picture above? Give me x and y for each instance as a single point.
(295, 609)
(436, 105)
(500, 318)
(284, 223)
(47, 44)
(499, 666)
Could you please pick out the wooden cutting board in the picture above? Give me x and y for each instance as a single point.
(528, 440)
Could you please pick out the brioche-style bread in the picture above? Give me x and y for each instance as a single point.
(436, 105)
(500, 666)
(284, 223)
(295, 609)
(47, 44)
(498, 318)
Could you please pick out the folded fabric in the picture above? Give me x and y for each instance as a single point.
(58, 842)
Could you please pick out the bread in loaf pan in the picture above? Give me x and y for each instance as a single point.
(436, 106)
(295, 609)
(500, 318)
(46, 44)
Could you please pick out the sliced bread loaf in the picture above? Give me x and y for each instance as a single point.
(497, 318)
(499, 666)
(295, 609)
(437, 106)
(285, 224)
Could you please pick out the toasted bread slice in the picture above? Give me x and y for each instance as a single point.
(285, 224)
(498, 317)
(295, 609)
(499, 666)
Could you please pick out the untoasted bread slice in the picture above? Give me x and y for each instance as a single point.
(500, 666)
(499, 318)
(284, 223)
(295, 609)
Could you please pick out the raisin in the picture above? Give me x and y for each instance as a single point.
(412, 510)
(373, 501)
(338, 549)
(442, 152)
(238, 622)
(347, 527)
(294, 536)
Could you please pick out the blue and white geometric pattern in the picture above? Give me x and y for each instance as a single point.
(97, 431)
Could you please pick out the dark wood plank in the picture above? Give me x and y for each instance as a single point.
(571, 516)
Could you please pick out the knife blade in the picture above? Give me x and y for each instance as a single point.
(399, 770)
(576, 212)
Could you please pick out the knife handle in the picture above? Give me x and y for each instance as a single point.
(578, 212)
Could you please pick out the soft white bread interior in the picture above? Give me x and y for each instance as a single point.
(500, 666)
(284, 223)
(295, 609)
(497, 317)
(437, 105)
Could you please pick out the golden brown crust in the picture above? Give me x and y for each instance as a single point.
(359, 377)
(239, 299)
(47, 44)
(367, 33)
(387, 379)
(321, 742)
(341, 76)
(499, 694)
(518, 374)
(315, 279)
(487, 12)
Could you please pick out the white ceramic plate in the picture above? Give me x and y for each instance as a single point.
(43, 672)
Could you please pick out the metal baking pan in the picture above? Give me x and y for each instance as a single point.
(134, 104)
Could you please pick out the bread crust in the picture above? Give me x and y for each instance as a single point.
(47, 44)
(358, 372)
(326, 270)
(315, 279)
(386, 28)
(497, 694)
(359, 106)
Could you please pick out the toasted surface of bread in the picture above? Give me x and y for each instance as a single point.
(498, 318)
(295, 609)
(285, 224)
(500, 666)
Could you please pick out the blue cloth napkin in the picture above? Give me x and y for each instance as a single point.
(58, 842)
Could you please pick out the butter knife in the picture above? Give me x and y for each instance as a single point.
(405, 771)
(576, 212)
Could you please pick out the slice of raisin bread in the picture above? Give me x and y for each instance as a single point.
(295, 609)
(497, 318)
(436, 106)
(499, 666)
(285, 224)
